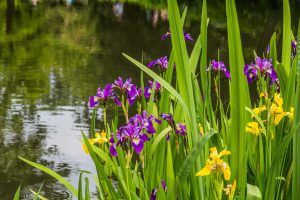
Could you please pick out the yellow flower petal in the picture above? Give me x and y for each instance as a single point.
(103, 134)
(84, 147)
(259, 110)
(205, 171)
(275, 109)
(278, 100)
(224, 153)
(279, 117)
(253, 127)
(226, 171)
(201, 131)
(214, 153)
(97, 134)
(262, 94)
(100, 137)
(213, 149)
(215, 164)
(232, 190)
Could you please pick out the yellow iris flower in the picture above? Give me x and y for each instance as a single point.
(216, 164)
(253, 127)
(278, 100)
(277, 111)
(259, 110)
(100, 138)
(91, 141)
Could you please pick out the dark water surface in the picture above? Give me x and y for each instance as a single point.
(53, 56)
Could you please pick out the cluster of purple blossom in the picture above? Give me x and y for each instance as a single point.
(135, 131)
(138, 129)
(180, 128)
(120, 87)
(157, 89)
(162, 62)
(219, 66)
(263, 68)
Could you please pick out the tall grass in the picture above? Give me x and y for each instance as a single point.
(261, 165)
(296, 139)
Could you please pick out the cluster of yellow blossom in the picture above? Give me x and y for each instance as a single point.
(276, 111)
(216, 164)
(100, 138)
(253, 127)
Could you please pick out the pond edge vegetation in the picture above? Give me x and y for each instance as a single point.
(180, 145)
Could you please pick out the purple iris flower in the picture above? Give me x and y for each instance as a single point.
(132, 133)
(154, 191)
(264, 64)
(120, 139)
(180, 129)
(157, 86)
(161, 62)
(169, 118)
(266, 69)
(251, 72)
(219, 66)
(113, 147)
(130, 89)
(294, 48)
(145, 122)
(153, 194)
(117, 100)
(187, 36)
(93, 101)
(122, 85)
(166, 35)
(103, 94)
(294, 44)
(147, 92)
(132, 93)
(135, 135)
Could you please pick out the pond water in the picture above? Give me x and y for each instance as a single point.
(53, 57)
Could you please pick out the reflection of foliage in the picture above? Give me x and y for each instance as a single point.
(149, 4)
(43, 48)
(62, 31)
(69, 29)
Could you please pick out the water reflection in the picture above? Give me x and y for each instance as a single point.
(54, 56)
(118, 9)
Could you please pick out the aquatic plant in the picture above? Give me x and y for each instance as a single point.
(149, 158)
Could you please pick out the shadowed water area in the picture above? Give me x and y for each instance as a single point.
(54, 56)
